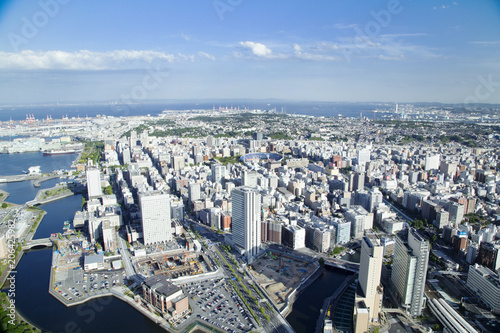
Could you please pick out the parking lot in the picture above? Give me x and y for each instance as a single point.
(214, 302)
(75, 285)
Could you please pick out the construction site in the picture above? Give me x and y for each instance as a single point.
(279, 274)
(174, 265)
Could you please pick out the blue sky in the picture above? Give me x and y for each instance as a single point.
(325, 50)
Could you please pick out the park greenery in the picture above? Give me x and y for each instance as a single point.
(92, 151)
(229, 159)
(55, 192)
(280, 136)
(337, 250)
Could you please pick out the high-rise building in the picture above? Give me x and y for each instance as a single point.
(218, 173)
(409, 270)
(374, 199)
(94, 189)
(369, 291)
(363, 156)
(156, 222)
(432, 162)
(246, 220)
(194, 192)
(249, 178)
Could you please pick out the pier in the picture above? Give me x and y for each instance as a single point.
(20, 178)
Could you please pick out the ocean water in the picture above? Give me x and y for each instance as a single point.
(326, 109)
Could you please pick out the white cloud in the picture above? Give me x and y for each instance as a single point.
(205, 55)
(258, 49)
(186, 37)
(486, 42)
(87, 60)
(300, 54)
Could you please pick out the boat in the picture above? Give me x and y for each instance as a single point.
(58, 152)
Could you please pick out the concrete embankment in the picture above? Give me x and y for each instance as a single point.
(285, 311)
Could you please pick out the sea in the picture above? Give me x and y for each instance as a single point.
(317, 109)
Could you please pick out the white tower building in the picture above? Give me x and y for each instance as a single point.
(246, 220)
(156, 222)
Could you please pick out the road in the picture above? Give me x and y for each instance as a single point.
(129, 269)
(398, 211)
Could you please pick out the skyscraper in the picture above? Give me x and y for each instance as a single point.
(409, 270)
(156, 222)
(246, 220)
(369, 291)
(94, 189)
(218, 173)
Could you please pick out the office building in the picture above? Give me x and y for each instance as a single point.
(218, 173)
(369, 292)
(246, 220)
(293, 236)
(432, 162)
(155, 212)
(360, 220)
(485, 284)
(409, 270)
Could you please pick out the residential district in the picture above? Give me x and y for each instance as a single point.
(218, 219)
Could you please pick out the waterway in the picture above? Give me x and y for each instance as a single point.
(15, 164)
(35, 303)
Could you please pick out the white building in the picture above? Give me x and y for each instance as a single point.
(155, 212)
(342, 231)
(360, 220)
(218, 173)
(486, 285)
(94, 189)
(432, 162)
(293, 236)
(409, 270)
(246, 223)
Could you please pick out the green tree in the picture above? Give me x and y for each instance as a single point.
(108, 190)
(418, 224)
(4, 205)
(321, 261)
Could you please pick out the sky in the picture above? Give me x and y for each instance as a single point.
(324, 50)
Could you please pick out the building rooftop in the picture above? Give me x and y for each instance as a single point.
(94, 259)
(161, 285)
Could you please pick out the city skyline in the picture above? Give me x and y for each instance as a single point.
(426, 51)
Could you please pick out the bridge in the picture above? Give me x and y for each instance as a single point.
(41, 242)
(343, 264)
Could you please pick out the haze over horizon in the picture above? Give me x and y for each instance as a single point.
(55, 51)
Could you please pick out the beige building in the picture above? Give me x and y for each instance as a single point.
(369, 292)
